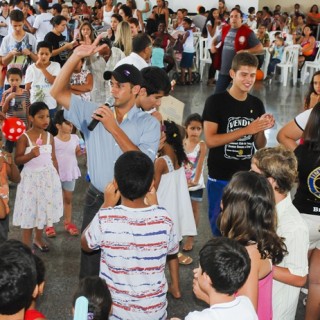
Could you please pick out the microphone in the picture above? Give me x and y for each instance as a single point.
(109, 103)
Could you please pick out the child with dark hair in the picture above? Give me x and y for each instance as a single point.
(18, 49)
(249, 216)
(67, 149)
(224, 268)
(196, 150)
(172, 192)
(32, 313)
(40, 77)
(99, 297)
(17, 279)
(15, 101)
(188, 52)
(132, 261)
(40, 184)
(157, 53)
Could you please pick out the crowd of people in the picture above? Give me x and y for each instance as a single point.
(100, 73)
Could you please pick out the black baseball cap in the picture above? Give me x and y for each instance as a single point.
(125, 73)
(43, 4)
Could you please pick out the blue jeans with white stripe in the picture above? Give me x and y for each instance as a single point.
(215, 190)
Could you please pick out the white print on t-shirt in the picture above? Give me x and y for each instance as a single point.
(243, 148)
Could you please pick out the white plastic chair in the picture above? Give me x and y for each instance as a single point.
(196, 39)
(204, 55)
(289, 63)
(313, 66)
(266, 61)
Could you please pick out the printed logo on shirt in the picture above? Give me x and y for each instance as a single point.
(313, 182)
(243, 148)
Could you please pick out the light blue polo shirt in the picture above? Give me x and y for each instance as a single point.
(102, 149)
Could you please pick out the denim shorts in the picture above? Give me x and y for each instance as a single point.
(196, 195)
(68, 185)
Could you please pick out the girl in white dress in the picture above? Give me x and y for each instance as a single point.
(39, 197)
(173, 195)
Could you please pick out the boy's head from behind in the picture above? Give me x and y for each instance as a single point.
(225, 265)
(96, 291)
(14, 77)
(17, 277)
(133, 172)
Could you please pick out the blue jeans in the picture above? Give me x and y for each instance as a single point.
(222, 83)
(90, 262)
(215, 191)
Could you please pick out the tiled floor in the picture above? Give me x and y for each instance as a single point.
(62, 262)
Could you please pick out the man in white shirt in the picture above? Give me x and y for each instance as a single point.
(42, 23)
(280, 167)
(141, 52)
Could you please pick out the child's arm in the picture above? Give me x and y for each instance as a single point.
(82, 88)
(7, 97)
(185, 36)
(251, 286)
(45, 72)
(12, 169)
(66, 46)
(285, 276)
(111, 195)
(203, 151)
(159, 169)
(20, 157)
(54, 159)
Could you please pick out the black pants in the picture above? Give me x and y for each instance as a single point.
(90, 262)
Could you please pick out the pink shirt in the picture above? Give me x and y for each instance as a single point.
(66, 157)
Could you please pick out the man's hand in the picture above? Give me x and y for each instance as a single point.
(26, 52)
(111, 196)
(259, 124)
(105, 115)
(87, 50)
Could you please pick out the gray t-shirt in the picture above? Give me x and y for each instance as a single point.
(228, 50)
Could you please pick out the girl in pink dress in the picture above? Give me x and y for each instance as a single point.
(67, 149)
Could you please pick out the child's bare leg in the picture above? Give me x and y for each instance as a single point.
(183, 75)
(38, 237)
(174, 287)
(67, 205)
(26, 237)
(188, 246)
(190, 74)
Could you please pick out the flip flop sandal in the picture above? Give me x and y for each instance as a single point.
(184, 260)
(71, 228)
(50, 232)
(43, 248)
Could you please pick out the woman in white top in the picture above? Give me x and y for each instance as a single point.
(211, 30)
(136, 13)
(108, 11)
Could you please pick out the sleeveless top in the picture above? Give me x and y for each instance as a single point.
(107, 15)
(265, 296)
(43, 160)
(191, 167)
(4, 186)
(188, 46)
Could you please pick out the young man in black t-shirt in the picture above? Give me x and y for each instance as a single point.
(234, 125)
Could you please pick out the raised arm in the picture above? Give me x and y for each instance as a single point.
(61, 90)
